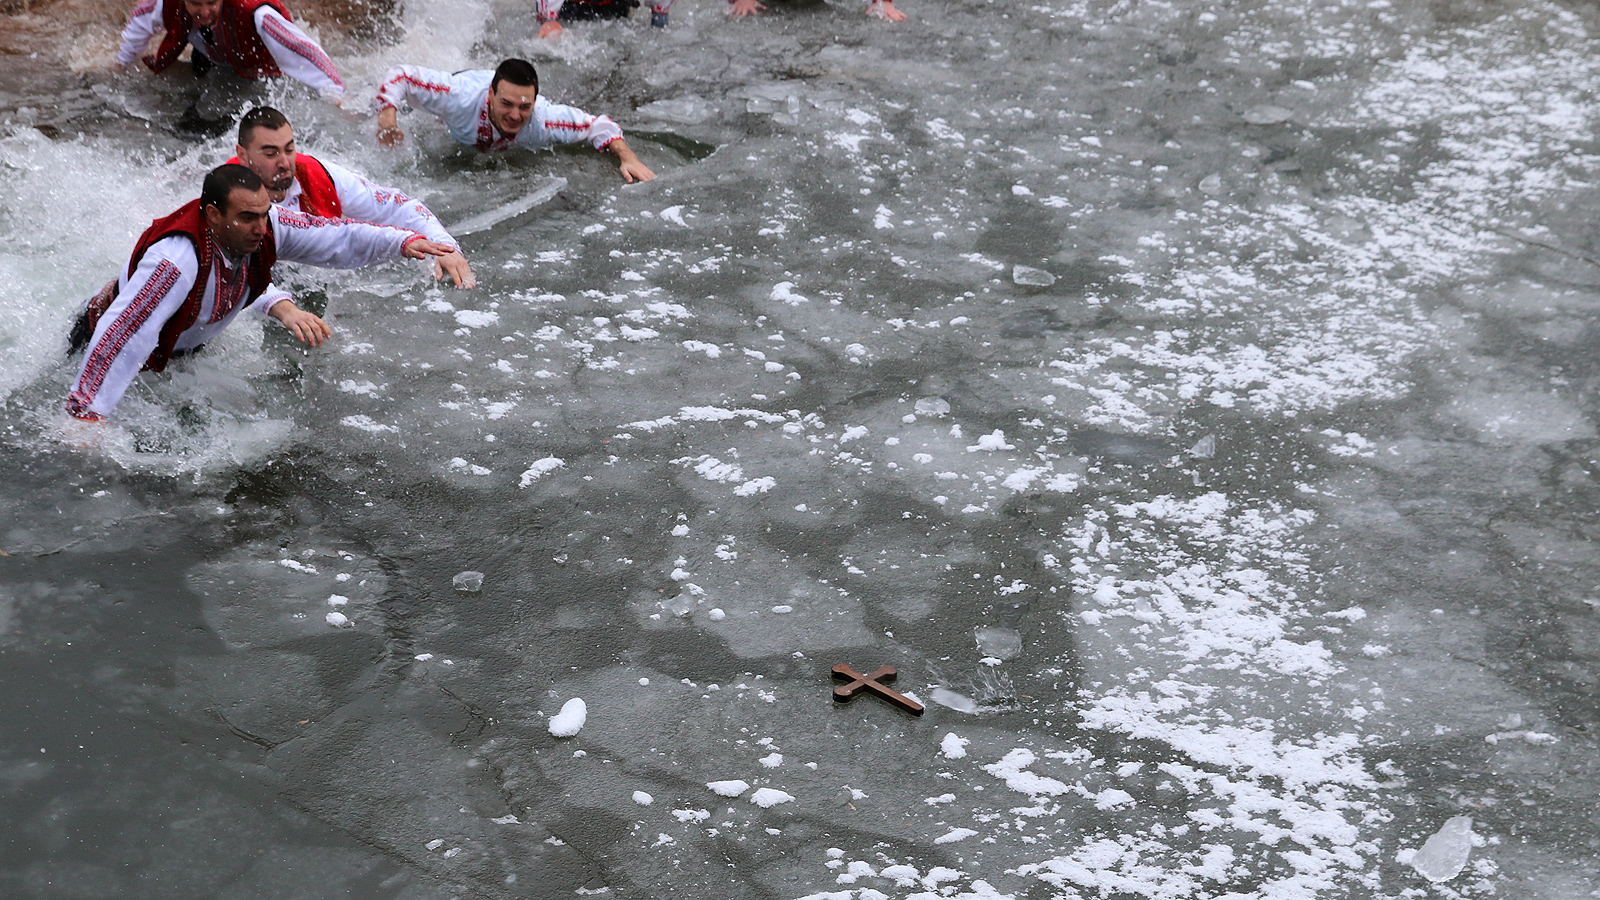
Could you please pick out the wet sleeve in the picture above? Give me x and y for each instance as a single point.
(131, 327)
(143, 23)
(269, 298)
(660, 6)
(335, 243)
(414, 86)
(300, 57)
(368, 202)
(549, 10)
(570, 125)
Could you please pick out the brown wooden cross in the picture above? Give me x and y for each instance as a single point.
(876, 683)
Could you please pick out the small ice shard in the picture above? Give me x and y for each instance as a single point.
(1001, 643)
(771, 760)
(1267, 114)
(731, 788)
(336, 600)
(338, 619)
(434, 844)
(1032, 277)
(767, 798)
(1205, 448)
(716, 615)
(954, 746)
(955, 834)
(1444, 855)
(468, 581)
(932, 406)
(506, 820)
(571, 718)
(643, 799)
(953, 700)
(1211, 184)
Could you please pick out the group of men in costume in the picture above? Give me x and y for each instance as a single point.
(194, 271)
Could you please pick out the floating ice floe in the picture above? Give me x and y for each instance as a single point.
(1000, 643)
(766, 798)
(954, 746)
(731, 788)
(469, 581)
(1028, 275)
(1444, 855)
(570, 720)
(643, 799)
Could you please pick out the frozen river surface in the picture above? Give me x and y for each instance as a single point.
(1196, 402)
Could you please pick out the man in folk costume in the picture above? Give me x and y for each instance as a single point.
(552, 13)
(192, 272)
(299, 181)
(249, 39)
(497, 110)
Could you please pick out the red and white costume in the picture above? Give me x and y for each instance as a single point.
(254, 38)
(334, 192)
(549, 10)
(461, 101)
(158, 310)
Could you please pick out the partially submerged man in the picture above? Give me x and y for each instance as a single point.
(552, 13)
(192, 272)
(877, 9)
(496, 110)
(235, 42)
(299, 181)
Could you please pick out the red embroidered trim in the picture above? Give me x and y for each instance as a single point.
(312, 53)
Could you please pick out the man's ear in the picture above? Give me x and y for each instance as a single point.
(238, 151)
(213, 215)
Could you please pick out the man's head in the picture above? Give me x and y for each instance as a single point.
(266, 146)
(511, 94)
(204, 12)
(235, 204)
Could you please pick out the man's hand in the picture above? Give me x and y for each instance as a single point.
(628, 163)
(420, 247)
(742, 8)
(456, 265)
(884, 9)
(310, 329)
(550, 29)
(389, 132)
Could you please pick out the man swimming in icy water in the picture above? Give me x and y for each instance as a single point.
(878, 9)
(192, 272)
(496, 110)
(235, 43)
(301, 182)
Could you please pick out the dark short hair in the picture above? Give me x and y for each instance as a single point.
(221, 181)
(260, 117)
(517, 71)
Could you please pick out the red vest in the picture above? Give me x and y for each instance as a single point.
(237, 42)
(318, 197)
(190, 222)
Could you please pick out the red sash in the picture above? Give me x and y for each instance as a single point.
(237, 42)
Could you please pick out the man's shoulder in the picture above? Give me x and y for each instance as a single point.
(177, 248)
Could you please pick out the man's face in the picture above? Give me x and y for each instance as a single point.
(271, 155)
(243, 227)
(204, 12)
(510, 106)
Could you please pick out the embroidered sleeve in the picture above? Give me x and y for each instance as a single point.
(334, 243)
(300, 57)
(368, 202)
(549, 10)
(143, 23)
(406, 86)
(570, 125)
(131, 327)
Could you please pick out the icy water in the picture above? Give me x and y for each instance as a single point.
(1196, 403)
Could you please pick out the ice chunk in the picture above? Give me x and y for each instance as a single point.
(955, 834)
(338, 619)
(1267, 114)
(539, 468)
(1444, 855)
(767, 798)
(771, 760)
(1205, 448)
(1032, 277)
(1001, 643)
(1211, 184)
(731, 788)
(643, 799)
(954, 746)
(953, 700)
(932, 406)
(468, 581)
(571, 718)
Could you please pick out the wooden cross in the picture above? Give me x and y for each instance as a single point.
(876, 683)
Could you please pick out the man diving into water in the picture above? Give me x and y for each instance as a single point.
(301, 182)
(496, 110)
(192, 272)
